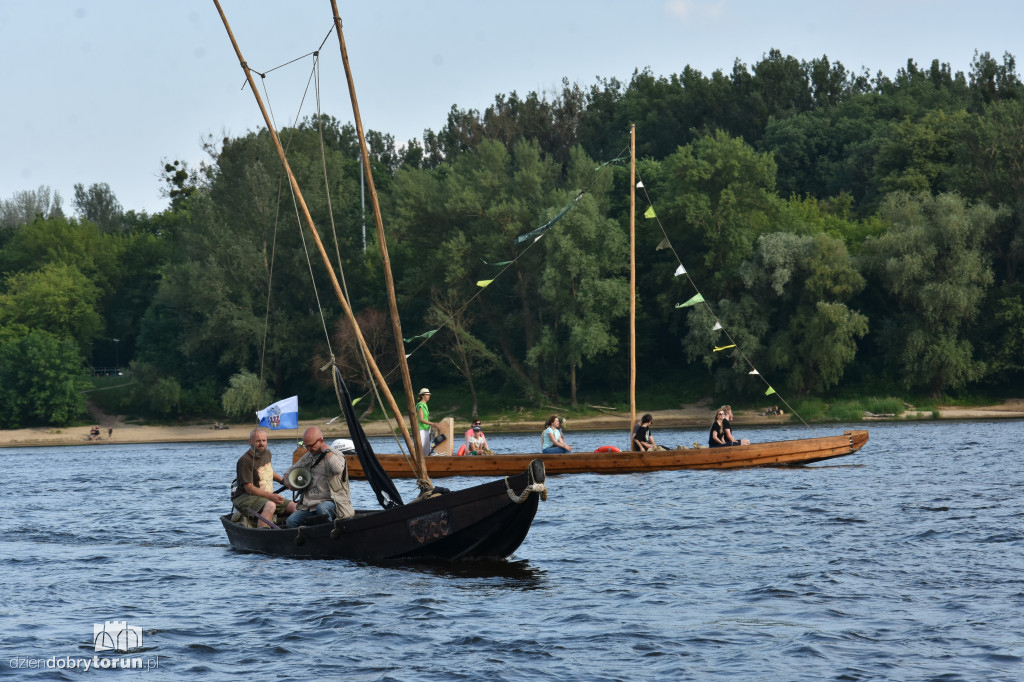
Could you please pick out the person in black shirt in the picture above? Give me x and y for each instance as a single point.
(643, 440)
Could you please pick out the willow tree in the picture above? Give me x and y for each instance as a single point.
(933, 266)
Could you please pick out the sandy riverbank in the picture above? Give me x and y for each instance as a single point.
(686, 417)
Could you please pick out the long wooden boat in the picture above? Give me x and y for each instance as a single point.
(771, 454)
(487, 521)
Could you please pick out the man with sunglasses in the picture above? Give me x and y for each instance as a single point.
(328, 492)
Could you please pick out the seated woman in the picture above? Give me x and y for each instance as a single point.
(551, 440)
(716, 439)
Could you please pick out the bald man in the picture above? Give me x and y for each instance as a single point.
(255, 476)
(328, 493)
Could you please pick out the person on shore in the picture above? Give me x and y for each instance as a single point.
(328, 492)
(255, 478)
(423, 416)
(643, 440)
(729, 438)
(551, 441)
(476, 441)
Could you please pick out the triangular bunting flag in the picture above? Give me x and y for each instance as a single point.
(718, 348)
(484, 282)
(753, 372)
(424, 336)
(649, 213)
(680, 271)
(663, 244)
(693, 301)
(718, 325)
(769, 391)
(504, 262)
(640, 184)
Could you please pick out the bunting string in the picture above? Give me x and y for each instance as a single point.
(698, 299)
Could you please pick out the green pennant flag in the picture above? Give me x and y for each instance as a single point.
(356, 400)
(649, 213)
(484, 282)
(615, 160)
(663, 244)
(424, 336)
(718, 348)
(693, 301)
(769, 391)
(504, 262)
(546, 226)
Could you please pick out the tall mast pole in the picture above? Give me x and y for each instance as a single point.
(396, 323)
(316, 235)
(632, 282)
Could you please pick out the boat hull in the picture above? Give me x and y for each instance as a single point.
(779, 453)
(481, 522)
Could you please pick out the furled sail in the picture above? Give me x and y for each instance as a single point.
(378, 479)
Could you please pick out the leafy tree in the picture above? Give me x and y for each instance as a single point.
(581, 292)
(42, 378)
(791, 320)
(457, 345)
(722, 197)
(68, 242)
(26, 207)
(933, 267)
(245, 395)
(99, 205)
(57, 299)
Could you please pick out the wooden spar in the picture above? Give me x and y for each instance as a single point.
(316, 235)
(396, 323)
(632, 283)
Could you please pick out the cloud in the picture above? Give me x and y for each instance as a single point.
(695, 10)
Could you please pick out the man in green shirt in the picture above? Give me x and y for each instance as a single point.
(423, 415)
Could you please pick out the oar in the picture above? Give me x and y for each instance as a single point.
(264, 519)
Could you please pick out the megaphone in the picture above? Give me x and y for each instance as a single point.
(299, 478)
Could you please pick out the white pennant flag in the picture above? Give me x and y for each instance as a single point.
(754, 372)
(640, 184)
(680, 271)
(718, 325)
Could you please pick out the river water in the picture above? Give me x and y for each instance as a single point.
(903, 561)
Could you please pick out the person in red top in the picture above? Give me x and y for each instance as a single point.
(476, 441)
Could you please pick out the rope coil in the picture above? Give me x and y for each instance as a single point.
(538, 488)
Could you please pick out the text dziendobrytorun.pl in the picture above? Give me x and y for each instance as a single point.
(84, 664)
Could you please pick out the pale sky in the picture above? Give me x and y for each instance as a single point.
(105, 90)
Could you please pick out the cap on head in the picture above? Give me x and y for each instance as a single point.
(424, 391)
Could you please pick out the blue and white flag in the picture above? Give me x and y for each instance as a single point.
(284, 414)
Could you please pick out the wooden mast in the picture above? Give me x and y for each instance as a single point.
(632, 283)
(316, 235)
(396, 323)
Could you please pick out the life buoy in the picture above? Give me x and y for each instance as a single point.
(462, 451)
(607, 448)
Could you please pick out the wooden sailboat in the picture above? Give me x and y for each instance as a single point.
(487, 521)
(779, 453)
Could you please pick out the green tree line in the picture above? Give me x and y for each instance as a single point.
(851, 232)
